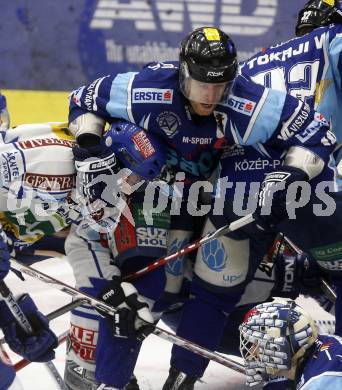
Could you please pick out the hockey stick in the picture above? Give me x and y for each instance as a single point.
(239, 223)
(23, 322)
(326, 288)
(104, 307)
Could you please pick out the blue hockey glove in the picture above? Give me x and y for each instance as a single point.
(37, 347)
(4, 255)
(133, 317)
(271, 206)
(96, 168)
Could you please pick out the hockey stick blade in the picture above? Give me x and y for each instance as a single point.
(239, 223)
(102, 306)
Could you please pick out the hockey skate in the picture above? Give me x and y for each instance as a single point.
(178, 381)
(78, 378)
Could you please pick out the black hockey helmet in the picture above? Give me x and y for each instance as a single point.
(207, 55)
(318, 13)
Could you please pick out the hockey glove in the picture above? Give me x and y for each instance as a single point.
(294, 275)
(36, 347)
(272, 205)
(133, 317)
(4, 255)
(96, 168)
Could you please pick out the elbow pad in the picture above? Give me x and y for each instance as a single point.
(304, 159)
(87, 124)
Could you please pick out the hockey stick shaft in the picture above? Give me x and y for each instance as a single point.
(328, 291)
(104, 307)
(14, 308)
(193, 246)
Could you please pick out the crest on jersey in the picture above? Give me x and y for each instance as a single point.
(214, 255)
(169, 122)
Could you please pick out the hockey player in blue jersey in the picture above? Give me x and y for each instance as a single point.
(280, 339)
(296, 67)
(172, 100)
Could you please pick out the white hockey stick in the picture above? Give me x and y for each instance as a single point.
(20, 317)
(102, 306)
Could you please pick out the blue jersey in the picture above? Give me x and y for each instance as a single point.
(308, 68)
(251, 115)
(323, 370)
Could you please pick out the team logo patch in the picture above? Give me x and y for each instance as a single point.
(143, 144)
(214, 255)
(169, 122)
(152, 95)
(244, 106)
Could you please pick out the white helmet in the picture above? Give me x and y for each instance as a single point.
(273, 337)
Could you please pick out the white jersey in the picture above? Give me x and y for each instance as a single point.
(37, 183)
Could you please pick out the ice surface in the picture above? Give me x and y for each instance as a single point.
(153, 363)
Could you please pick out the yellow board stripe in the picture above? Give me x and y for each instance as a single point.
(27, 106)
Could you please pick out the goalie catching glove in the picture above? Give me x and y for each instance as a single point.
(132, 317)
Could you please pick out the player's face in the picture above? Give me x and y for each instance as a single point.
(202, 109)
(203, 96)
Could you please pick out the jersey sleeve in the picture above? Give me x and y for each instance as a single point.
(107, 97)
(258, 115)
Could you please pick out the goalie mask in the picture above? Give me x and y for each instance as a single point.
(273, 337)
(318, 13)
(208, 65)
